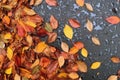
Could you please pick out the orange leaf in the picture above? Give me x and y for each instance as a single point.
(80, 2)
(79, 45)
(115, 59)
(64, 46)
(52, 2)
(73, 50)
(6, 19)
(113, 19)
(44, 62)
(52, 37)
(82, 66)
(74, 23)
(73, 75)
(53, 22)
(61, 61)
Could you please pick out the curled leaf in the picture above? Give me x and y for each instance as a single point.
(68, 31)
(115, 59)
(64, 47)
(53, 22)
(74, 23)
(61, 61)
(73, 75)
(113, 19)
(89, 6)
(96, 41)
(89, 25)
(52, 2)
(82, 66)
(80, 2)
(113, 77)
(84, 52)
(95, 65)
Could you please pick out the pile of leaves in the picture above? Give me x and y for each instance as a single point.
(23, 53)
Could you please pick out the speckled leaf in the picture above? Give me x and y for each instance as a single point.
(68, 31)
(80, 2)
(61, 61)
(64, 46)
(113, 77)
(95, 40)
(73, 75)
(95, 65)
(52, 2)
(53, 22)
(89, 25)
(115, 59)
(74, 23)
(82, 66)
(113, 19)
(84, 52)
(89, 6)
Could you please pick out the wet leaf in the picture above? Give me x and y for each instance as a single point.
(40, 47)
(52, 2)
(96, 41)
(7, 36)
(9, 53)
(37, 2)
(8, 71)
(29, 11)
(95, 65)
(52, 37)
(62, 75)
(74, 23)
(89, 6)
(82, 66)
(115, 59)
(73, 75)
(73, 50)
(79, 45)
(6, 19)
(61, 61)
(80, 2)
(89, 25)
(48, 27)
(17, 77)
(113, 19)
(113, 77)
(64, 46)
(35, 63)
(84, 52)
(53, 22)
(68, 31)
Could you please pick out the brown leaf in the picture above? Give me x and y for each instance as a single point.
(64, 46)
(82, 66)
(74, 23)
(52, 37)
(61, 61)
(53, 22)
(115, 59)
(52, 2)
(96, 41)
(113, 77)
(89, 25)
(80, 2)
(113, 19)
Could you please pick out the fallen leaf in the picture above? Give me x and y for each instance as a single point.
(73, 75)
(17, 77)
(89, 6)
(30, 23)
(89, 25)
(84, 52)
(113, 19)
(62, 75)
(35, 63)
(37, 2)
(2, 44)
(29, 40)
(95, 65)
(48, 27)
(68, 31)
(9, 53)
(79, 45)
(64, 46)
(113, 77)
(52, 37)
(25, 73)
(73, 50)
(40, 47)
(80, 2)
(74, 23)
(29, 11)
(52, 2)
(7, 36)
(61, 61)
(44, 62)
(82, 66)
(115, 59)
(53, 22)
(96, 41)
(36, 69)
(6, 19)
(8, 71)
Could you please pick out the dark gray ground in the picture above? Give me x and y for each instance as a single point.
(108, 34)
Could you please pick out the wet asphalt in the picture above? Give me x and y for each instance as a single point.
(108, 34)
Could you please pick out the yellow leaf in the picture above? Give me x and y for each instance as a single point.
(82, 66)
(89, 6)
(62, 75)
(95, 65)
(84, 52)
(35, 63)
(7, 36)
(29, 40)
(89, 25)
(73, 75)
(68, 31)
(17, 77)
(29, 11)
(61, 61)
(24, 48)
(8, 71)
(96, 41)
(73, 50)
(40, 47)
(64, 47)
(9, 53)
(30, 23)
(80, 2)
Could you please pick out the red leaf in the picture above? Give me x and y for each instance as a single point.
(44, 62)
(79, 45)
(42, 32)
(113, 19)
(74, 23)
(52, 2)
(21, 32)
(53, 22)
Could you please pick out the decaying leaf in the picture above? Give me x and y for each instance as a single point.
(115, 59)
(84, 52)
(89, 25)
(53, 22)
(37, 2)
(17, 77)
(52, 37)
(96, 41)
(64, 46)
(89, 6)
(73, 75)
(74, 23)
(68, 31)
(61, 61)
(79, 45)
(113, 19)
(73, 50)
(8, 71)
(52, 2)
(40, 47)
(113, 77)
(9, 53)
(80, 2)
(82, 66)
(95, 65)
